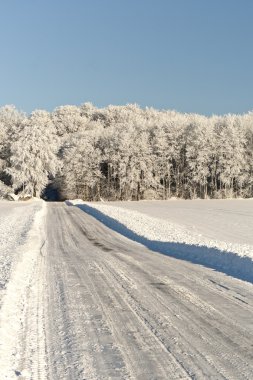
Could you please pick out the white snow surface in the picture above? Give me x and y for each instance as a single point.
(225, 225)
(83, 301)
(220, 226)
(16, 219)
(22, 235)
(223, 220)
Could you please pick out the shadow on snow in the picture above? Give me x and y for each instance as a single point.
(222, 261)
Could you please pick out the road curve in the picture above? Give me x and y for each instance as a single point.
(108, 308)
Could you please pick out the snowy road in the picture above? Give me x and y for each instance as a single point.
(104, 307)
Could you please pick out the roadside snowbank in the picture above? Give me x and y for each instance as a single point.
(30, 234)
(226, 220)
(175, 240)
(16, 220)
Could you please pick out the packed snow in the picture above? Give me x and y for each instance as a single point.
(216, 233)
(82, 301)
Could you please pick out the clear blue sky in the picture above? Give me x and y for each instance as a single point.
(188, 55)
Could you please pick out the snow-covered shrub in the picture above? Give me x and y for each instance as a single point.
(4, 190)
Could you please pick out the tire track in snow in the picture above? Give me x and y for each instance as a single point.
(97, 306)
(160, 313)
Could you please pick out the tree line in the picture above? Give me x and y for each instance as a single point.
(125, 153)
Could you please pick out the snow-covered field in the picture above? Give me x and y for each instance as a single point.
(216, 233)
(229, 220)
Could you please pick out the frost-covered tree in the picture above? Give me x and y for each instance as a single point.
(68, 120)
(199, 156)
(81, 167)
(34, 154)
(140, 169)
(247, 124)
(232, 164)
(10, 120)
(126, 152)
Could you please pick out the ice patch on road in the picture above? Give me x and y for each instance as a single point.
(175, 240)
(14, 301)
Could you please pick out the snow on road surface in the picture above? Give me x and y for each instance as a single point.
(100, 306)
(120, 311)
(215, 233)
